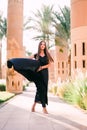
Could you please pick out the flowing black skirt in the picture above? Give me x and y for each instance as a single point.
(28, 68)
(25, 66)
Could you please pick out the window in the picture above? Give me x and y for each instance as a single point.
(83, 48)
(83, 62)
(75, 64)
(58, 65)
(62, 64)
(75, 49)
(62, 71)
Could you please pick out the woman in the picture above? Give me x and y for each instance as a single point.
(42, 83)
(37, 71)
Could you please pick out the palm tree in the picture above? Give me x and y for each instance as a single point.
(62, 26)
(42, 23)
(3, 31)
(27, 24)
(3, 27)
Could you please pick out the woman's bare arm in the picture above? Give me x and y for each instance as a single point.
(43, 67)
(31, 57)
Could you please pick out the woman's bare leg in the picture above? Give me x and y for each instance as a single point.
(33, 107)
(45, 110)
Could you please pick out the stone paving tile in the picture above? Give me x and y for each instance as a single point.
(17, 115)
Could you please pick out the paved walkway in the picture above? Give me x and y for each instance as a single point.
(16, 114)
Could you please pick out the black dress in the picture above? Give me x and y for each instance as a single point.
(28, 68)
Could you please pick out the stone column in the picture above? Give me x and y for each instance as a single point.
(78, 36)
(14, 43)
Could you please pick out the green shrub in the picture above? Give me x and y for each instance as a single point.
(76, 93)
(2, 87)
(53, 89)
(73, 91)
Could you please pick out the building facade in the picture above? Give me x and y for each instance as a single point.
(78, 36)
(60, 69)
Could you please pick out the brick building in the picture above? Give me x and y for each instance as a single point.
(61, 66)
(78, 36)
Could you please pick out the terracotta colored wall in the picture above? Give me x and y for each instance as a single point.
(15, 28)
(78, 13)
(78, 35)
(62, 63)
(14, 43)
(57, 71)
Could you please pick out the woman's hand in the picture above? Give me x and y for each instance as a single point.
(40, 68)
(43, 67)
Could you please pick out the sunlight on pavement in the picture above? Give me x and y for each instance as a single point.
(23, 100)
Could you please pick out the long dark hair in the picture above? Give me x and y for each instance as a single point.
(49, 57)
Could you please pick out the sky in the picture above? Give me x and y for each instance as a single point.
(29, 7)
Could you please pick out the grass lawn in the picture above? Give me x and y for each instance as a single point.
(4, 96)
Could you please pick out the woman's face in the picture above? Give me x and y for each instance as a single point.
(42, 46)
